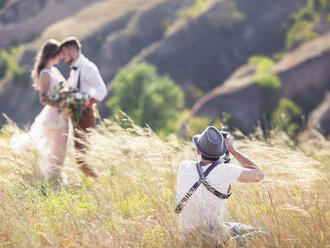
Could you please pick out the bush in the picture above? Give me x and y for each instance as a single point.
(304, 22)
(9, 63)
(197, 125)
(159, 105)
(287, 117)
(264, 76)
(147, 98)
(196, 9)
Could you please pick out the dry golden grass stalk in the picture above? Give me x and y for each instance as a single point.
(131, 203)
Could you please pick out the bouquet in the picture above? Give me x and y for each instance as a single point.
(68, 100)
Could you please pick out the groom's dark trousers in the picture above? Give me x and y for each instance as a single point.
(87, 121)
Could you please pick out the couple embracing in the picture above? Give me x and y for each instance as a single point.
(49, 132)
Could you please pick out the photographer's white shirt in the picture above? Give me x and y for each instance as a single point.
(203, 208)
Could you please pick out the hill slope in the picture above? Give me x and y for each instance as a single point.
(24, 20)
(142, 30)
(203, 52)
(305, 79)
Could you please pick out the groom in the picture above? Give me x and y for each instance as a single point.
(86, 78)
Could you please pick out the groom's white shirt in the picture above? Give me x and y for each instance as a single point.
(91, 82)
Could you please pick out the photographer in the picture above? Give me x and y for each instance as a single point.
(203, 187)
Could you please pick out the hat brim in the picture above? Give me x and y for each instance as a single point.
(195, 140)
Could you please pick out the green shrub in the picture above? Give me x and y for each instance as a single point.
(147, 98)
(197, 125)
(196, 9)
(228, 16)
(305, 21)
(264, 76)
(159, 105)
(9, 63)
(287, 117)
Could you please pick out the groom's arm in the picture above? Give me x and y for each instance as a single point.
(96, 84)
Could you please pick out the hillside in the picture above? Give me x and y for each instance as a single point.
(204, 51)
(20, 21)
(305, 79)
(319, 118)
(200, 51)
(131, 203)
(137, 29)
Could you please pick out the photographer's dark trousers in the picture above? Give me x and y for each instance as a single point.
(87, 121)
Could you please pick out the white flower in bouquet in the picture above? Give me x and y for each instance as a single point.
(78, 95)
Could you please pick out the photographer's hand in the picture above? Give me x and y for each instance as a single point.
(229, 143)
(251, 171)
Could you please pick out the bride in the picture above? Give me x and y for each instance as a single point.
(49, 131)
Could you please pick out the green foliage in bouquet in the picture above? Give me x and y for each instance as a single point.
(147, 97)
(68, 100)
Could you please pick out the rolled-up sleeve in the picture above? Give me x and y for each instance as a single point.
(93, 79)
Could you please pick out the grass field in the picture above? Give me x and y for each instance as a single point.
(131, 203)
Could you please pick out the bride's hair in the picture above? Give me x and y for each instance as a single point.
(48, 51)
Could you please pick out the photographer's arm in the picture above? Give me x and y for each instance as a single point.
(250, 172)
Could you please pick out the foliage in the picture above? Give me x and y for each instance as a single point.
(131, 203)
(9, 63)
(192, 94)
(287, 117)
(196, 9)
(227, 16)
(304, 22)
(159, 105)
(265, 78)
(146, 97)
(197, 125)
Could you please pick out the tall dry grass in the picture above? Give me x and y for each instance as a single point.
(131, 203)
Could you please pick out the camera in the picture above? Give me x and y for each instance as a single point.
(225, 134)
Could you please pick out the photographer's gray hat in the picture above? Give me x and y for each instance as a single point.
(211, 143)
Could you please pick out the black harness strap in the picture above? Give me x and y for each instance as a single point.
(202, 180)
(209, 187)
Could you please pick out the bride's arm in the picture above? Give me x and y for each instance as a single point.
(44, 87)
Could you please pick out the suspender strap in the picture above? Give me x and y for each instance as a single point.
(78, 84)
(202, 180)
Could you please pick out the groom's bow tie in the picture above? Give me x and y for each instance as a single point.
(75, 68)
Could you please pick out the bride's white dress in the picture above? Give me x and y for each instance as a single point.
(48, 135)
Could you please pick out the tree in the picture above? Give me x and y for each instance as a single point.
(287, 117)
(147, 97)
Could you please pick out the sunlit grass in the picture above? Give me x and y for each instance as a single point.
(131, 203)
